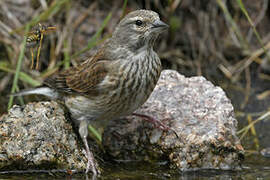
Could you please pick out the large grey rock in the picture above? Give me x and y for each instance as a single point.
(200, 113)
(39, 136)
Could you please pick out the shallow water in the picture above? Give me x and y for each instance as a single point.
(254, 167)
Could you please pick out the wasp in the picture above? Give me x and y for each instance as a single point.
(35, 38)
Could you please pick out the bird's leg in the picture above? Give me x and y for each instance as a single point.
(83, 130)
(157, 123)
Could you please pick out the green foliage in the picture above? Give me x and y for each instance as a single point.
(175, 23)
(18, 67)
(22, 76)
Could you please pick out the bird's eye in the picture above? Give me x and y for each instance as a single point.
(138, 22)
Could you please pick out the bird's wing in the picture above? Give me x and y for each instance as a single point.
(83, 79)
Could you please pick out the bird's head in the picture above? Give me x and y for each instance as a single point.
(139, 29)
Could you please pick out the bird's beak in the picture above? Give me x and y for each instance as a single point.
(160, 24)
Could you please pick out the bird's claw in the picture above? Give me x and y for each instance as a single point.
(156, 123)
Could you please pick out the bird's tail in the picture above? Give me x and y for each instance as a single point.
(46, 91)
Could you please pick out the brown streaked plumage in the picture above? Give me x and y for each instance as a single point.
(114, 82)
(82, 79)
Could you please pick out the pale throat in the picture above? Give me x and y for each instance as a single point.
(142, 52)
(141, 48)
(131, 55)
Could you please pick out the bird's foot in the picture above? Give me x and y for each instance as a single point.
(90, 164)
(156, 123)
(90, 161)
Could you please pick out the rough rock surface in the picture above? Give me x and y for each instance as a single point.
(202, 116)
(38, 136)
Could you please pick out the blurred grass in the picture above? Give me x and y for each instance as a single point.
(51, 11)
(22, 76)
(95, 133)
(124, 9)
(243, 9)
(18, 67)
(244, 66)
(243, 42)
(66, 55)
(251, 124)
(93, 41)
(175, 24)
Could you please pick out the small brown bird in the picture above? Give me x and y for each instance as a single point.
(116, 81)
